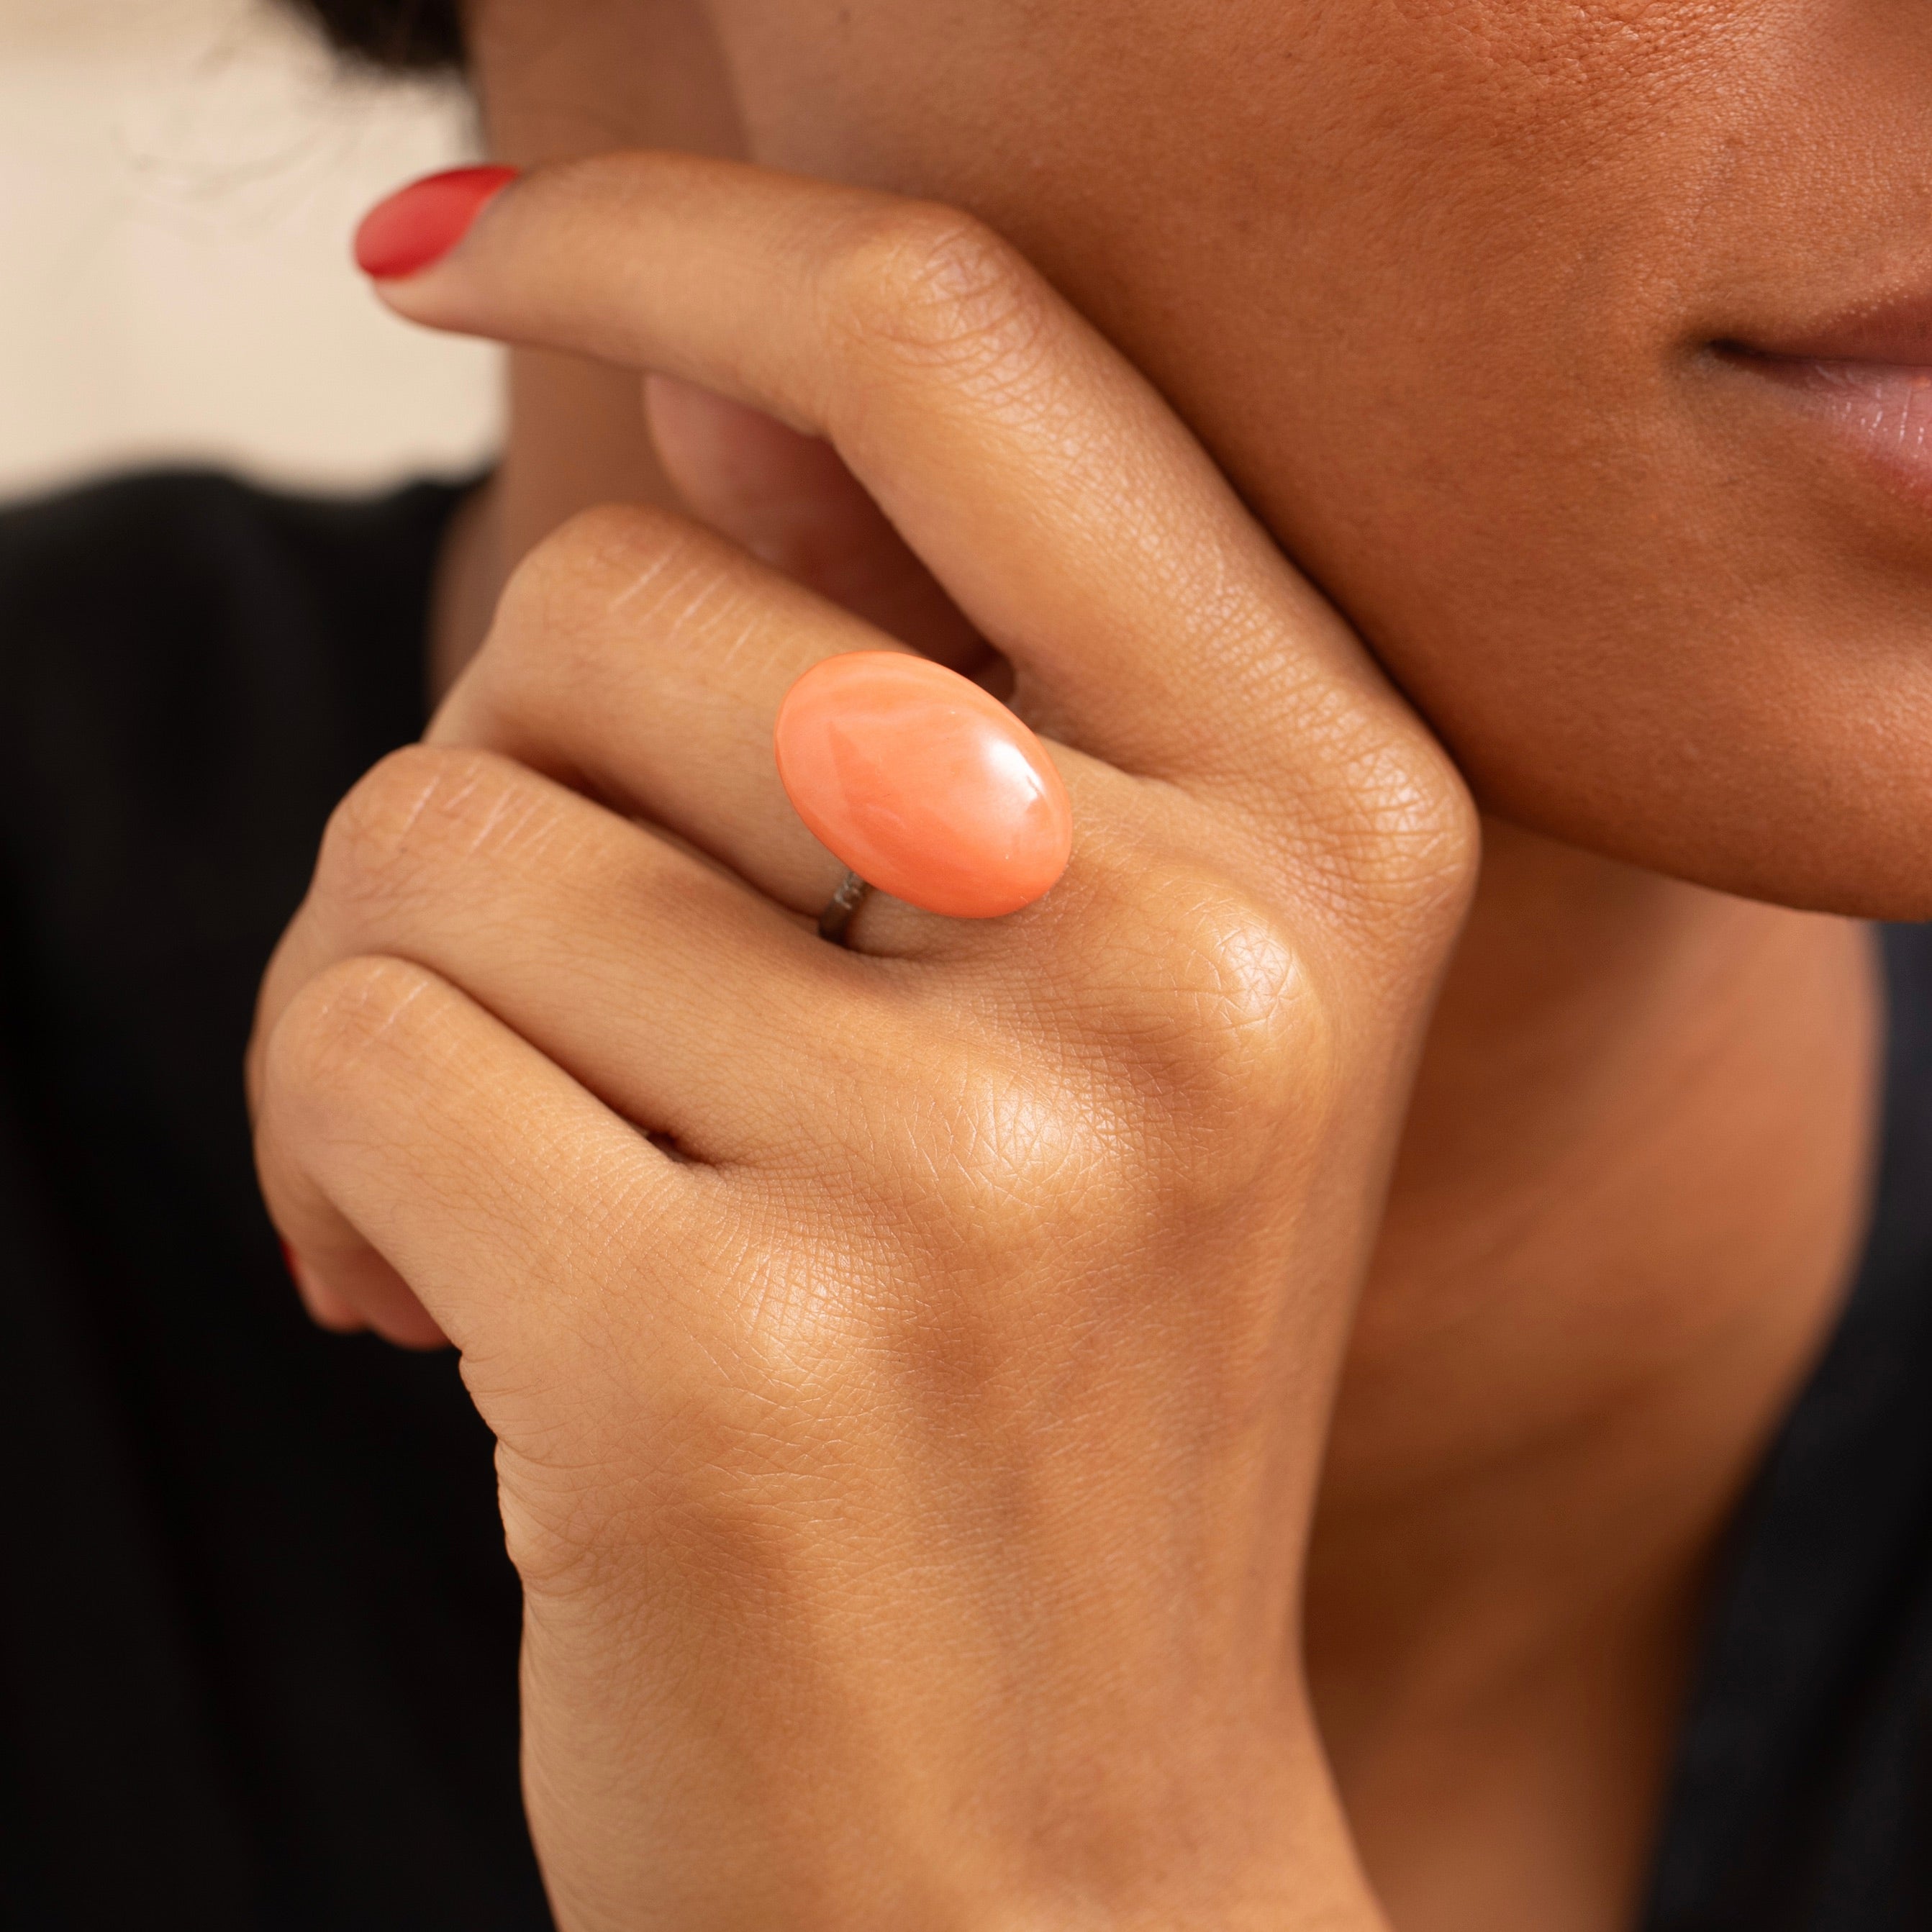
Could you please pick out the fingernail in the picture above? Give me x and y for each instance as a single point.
(421, 223)
(289, 1262)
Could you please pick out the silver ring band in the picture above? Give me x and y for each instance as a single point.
(842, 908)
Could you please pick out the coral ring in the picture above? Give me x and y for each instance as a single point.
(924, 785)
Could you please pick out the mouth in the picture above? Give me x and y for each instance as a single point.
(1866, 378)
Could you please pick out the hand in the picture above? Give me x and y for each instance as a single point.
(910, 1364)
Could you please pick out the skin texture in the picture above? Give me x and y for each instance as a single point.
(1453, 257)
(953, 1577)
(937, 1433)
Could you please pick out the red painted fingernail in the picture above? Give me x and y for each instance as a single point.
(421, 223)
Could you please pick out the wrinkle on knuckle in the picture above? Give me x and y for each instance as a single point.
(607, 566)
(933, 288)
(596, 625)
(358, 1013)
(555, 1532)
(1405, 834)
(422, 808)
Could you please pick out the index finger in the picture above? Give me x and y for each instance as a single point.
(1086, 534)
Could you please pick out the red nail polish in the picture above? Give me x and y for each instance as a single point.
(421, 223)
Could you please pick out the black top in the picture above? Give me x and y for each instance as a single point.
(259, 1634)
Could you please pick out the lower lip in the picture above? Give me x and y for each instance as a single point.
(1882, 408)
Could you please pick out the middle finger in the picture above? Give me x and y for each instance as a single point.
(639, 658)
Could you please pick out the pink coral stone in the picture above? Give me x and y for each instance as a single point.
(927, 788)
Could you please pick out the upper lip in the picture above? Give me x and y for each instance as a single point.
(1897, 329)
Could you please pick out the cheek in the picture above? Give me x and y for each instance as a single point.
(1467, 380)
(1433, 279)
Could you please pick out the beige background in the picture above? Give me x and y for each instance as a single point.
(179, 179)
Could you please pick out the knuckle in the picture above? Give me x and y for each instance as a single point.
(565, 591)
(928, 285)
(420, 808)
(554, 1533)
(1208, 1004)
(355, 1012)
(1407, 835)
(572, 622)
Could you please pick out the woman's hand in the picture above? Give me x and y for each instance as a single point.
(911, 1364)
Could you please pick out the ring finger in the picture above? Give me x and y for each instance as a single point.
(687, 1004)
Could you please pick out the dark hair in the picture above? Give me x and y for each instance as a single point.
(419, 35)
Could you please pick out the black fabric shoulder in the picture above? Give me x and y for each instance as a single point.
(258, 1633)
(258, 1640)
(195, 672)
(1803, 1795)
(143, 621)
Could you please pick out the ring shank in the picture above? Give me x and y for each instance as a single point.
(842, 908)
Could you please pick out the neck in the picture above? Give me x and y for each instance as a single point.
(1629, 1196)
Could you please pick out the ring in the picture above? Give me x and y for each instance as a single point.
(923, 785)
(842, 908)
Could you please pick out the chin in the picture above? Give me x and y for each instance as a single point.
(1692, 632)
